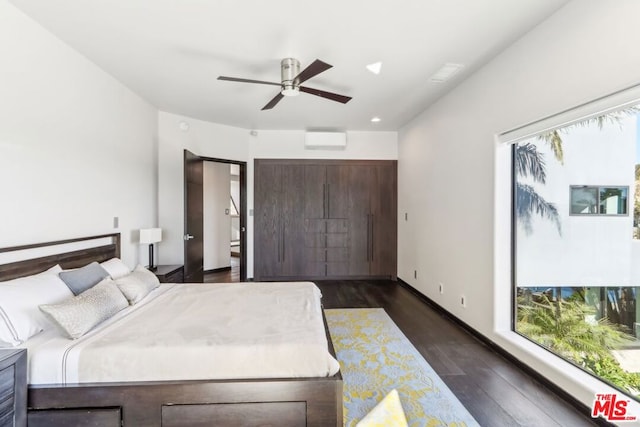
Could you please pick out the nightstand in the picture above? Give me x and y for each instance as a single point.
(169, 273)
(13, 387)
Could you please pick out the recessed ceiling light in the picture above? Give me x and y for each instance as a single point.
(447, 71)
(375, 119)
(375, 67)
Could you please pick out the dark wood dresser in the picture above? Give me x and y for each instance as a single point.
(13, 387)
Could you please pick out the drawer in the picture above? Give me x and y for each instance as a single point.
(7, 379)
(326, 240)
(337, 225)
(337, 254)
(7, 419)
(281, 414)
(96, 417)
(329, 225)
(337, 240)
(337, 269)
(7, 409)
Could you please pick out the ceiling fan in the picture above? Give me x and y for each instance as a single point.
(292, 77)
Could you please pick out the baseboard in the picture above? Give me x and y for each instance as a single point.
(217, 270)
(578, 405)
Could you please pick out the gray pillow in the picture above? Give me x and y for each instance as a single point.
(81, 279)
(78, 315)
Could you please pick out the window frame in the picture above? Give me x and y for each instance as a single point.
(598, 201)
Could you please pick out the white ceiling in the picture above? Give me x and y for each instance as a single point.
(171, 51)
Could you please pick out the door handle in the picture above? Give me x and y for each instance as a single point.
(368, 236)
(188, 237)
(372, 239)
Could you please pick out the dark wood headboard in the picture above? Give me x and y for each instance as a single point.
(70, 259)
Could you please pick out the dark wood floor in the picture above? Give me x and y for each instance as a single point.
(495, 392)
(226, 276)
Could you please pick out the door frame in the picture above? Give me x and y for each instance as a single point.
(242, 209)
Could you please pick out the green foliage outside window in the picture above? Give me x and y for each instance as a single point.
(562, 327)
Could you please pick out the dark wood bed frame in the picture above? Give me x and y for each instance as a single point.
(258, 402)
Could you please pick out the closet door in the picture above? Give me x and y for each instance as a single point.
(267, 227)
(292, 221)
(359, 219)
(384, 214)
(315, 194)
(337, 214)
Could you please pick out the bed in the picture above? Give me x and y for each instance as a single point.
(83, 394)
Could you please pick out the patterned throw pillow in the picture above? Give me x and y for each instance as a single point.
(78, 315)
(387, 413)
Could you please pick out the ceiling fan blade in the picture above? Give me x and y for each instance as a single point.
(315, 68)
(273, 102)
(325, 94)
(235, 79)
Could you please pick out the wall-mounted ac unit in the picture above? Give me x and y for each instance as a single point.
(330, 140)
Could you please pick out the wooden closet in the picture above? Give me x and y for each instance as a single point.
(324, 219)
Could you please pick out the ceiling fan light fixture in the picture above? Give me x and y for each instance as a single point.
(291, 82)
(290, 90)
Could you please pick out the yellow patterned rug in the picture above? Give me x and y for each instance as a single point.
(375, 357)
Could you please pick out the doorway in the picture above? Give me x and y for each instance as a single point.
(216, 250)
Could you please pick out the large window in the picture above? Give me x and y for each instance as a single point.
(577, 264)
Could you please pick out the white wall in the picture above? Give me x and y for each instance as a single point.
(224, 142)
(77, 148)
(452, 172)
(591, 250)
(216, 222)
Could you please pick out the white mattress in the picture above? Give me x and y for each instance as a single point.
(195, 331)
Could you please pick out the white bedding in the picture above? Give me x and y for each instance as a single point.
(195, 331)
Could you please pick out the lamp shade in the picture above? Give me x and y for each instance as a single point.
(150, 235)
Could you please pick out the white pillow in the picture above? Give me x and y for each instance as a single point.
(20, 318)
(116, 268)
(138, 284)
(78, 315)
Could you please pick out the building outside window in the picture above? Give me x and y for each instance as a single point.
(576, 252)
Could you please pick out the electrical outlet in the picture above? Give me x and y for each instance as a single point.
(463, 302)
(415, 274)
(116, 222)
(441, 287)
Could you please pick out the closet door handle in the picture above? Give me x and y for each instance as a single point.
(324, 200)
(328, 201)
(368, 235)
(279, 240)
(372, 237)
(283, 234)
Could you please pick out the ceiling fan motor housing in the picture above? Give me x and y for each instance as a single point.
(290, 68)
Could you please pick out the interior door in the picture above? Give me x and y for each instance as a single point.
(193, 218)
